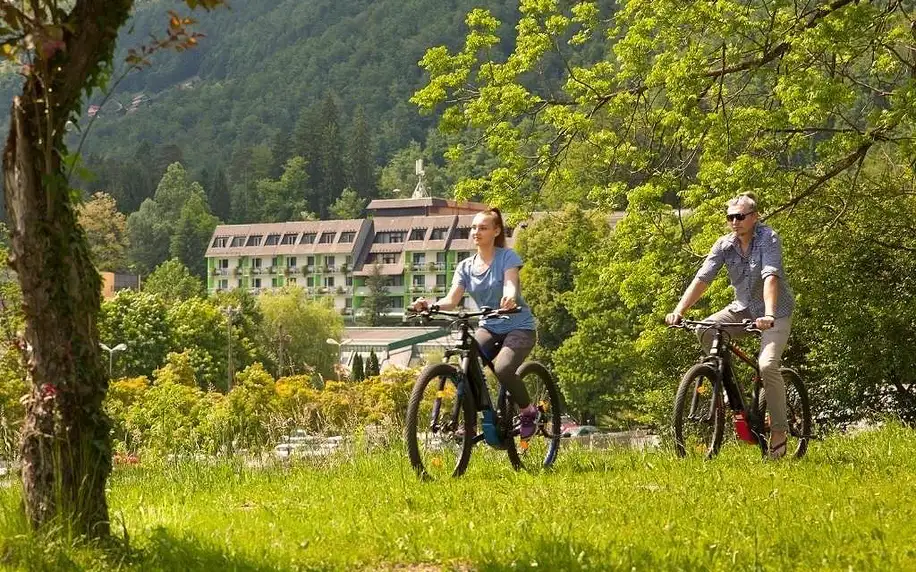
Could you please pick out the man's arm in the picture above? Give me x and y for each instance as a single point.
(714, 261)
(693, 293)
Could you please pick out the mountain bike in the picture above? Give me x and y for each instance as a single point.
(449, 400)
(709, 395)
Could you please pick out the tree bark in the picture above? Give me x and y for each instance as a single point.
(66, 441)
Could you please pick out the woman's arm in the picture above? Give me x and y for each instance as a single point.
(510, 289)
(452, 299)
(447, 302)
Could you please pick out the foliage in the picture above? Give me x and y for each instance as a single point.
(172, 281)
(13, 387)
(861, 517)
(199, 329)
(139, 320)
(106, 232)
(810, 109)
(553, 248)
(348, 205)
(300, 325)
(261, 67)
(148, 237)
(192, 234)
(372, 365)
(175, 223)
(284, 199)
(375, 304)
(358, 373)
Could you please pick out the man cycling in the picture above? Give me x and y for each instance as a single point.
(753, 256)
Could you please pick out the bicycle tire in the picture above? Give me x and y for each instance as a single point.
(694, 432)
(798, 412)
(543, 447)
(444, 450)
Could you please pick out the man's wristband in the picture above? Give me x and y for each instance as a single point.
(770, 316)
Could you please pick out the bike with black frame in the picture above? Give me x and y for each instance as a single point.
(449, 400)
(709, 391)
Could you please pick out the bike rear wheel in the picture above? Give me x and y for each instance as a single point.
(542, 448)
(440, 423)
(699, 415)
(798, 413)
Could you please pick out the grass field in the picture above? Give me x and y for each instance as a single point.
(850, 505)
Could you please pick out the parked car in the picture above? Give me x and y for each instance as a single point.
(582, 431)
(567, 422)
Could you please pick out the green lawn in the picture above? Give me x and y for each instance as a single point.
(849, 505)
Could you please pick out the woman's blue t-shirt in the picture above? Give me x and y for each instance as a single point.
(486, 289)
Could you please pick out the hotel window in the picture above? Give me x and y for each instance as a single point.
(223, 263)
(272, 240)
(254, 240)
(389, 237)
(291, 262)
(327, 237)
(418, 234)
(220, 241)
(238, 241)
(347, 237)
(439, 234)
(256, 262)
(257, 282)
(308, 238)
(463, 233)
(419, 280)
(395, 281)
(329, 281)
(389, 258)
(289, 238)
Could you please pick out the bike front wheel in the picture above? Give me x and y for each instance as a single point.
(542, 448)
(440, 423)
(699, 415)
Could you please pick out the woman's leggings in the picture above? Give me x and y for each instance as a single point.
(516, 345)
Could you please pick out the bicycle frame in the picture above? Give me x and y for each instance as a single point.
(472, 379)
(720, 359)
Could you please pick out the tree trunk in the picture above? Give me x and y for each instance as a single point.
(66, 441)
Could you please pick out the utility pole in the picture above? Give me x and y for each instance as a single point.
(231, 312)
(282, 338)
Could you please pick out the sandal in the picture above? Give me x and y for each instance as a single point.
(778, 451)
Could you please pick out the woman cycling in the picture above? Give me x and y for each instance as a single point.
(491, 279)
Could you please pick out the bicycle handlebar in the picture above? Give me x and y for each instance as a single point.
(484, 312)
(746, 325)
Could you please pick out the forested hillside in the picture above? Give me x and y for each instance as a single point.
(265, 85)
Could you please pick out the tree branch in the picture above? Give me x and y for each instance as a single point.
(782, 48)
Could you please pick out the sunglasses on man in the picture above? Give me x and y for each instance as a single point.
(737, 216)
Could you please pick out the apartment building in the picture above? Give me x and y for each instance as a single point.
(415, 243)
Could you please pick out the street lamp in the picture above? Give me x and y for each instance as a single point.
(111, 352)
